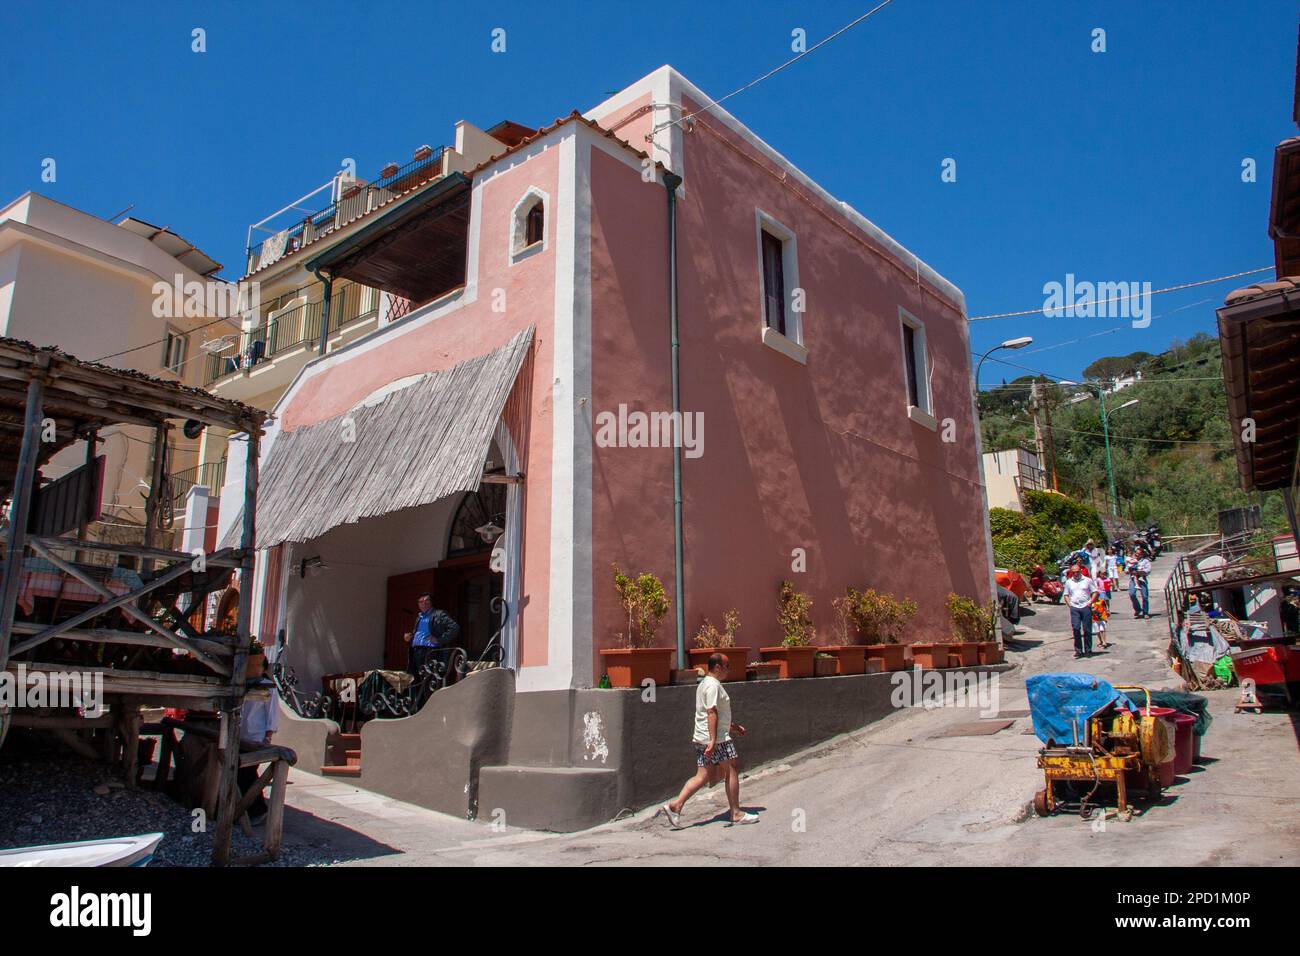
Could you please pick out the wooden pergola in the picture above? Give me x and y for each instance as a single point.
(48, 402)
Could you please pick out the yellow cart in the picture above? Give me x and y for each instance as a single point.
(1111, 752)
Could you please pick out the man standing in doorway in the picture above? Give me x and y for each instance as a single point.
(434, 634)
(1079, 590)
(715, 746)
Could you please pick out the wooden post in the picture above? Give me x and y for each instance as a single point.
(92, 442)
(152, 503)
(275, 813)
(24, 476)
(228, 788)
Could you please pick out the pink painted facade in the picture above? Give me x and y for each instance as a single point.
(819, 454)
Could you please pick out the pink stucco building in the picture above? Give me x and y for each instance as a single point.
(825, 368)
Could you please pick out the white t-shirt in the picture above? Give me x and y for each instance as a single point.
(710, 693)
(1142, 568)
(1079, 593)
(258, 717)
(1112, 566)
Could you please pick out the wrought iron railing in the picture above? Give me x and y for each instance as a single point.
(355, 199)
(295, 327)
(212, 474)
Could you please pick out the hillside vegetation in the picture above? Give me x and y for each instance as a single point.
(1172, 452)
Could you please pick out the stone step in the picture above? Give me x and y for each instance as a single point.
(563, 799)
(336, 770)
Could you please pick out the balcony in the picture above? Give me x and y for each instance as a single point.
(353, 199)
(295, 329)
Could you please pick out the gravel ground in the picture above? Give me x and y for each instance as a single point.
(49, 795)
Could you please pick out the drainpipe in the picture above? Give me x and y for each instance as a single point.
(671, 182)
(325, 308)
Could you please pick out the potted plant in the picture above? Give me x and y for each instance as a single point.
(255, 663)
(849, 658)
(970, 628)
(644, 600)
(711, 641)
(825, 665)
(880, 619)
(795, 652)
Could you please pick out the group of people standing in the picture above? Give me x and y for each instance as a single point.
(1091, 576)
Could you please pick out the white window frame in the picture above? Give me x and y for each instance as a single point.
(792, 343)
(519, 224)
(172, 334)
(922, 414)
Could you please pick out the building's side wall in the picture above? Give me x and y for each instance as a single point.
(820, 459)
(1000, 471)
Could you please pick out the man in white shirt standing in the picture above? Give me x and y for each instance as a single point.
(1138, 589)
(1079, 589)
(715, 747)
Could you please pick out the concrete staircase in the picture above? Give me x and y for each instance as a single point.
(350, 746)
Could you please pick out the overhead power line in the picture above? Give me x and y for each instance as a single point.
(770, 73)
(1123, 298)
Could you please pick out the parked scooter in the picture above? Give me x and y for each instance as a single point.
(1045, 588)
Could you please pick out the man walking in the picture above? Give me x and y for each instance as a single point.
(1138, 570)
(1079, 590)
(715, 747)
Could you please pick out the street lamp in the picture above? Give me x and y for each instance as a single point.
(1019, 343)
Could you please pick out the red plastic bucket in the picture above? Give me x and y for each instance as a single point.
(1184, 745)
(1165, 772)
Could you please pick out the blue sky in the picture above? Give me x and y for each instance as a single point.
(1122, 165)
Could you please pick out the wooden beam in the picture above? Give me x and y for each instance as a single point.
(216, 644)
(225, 558)
(135, 683)
(122, 601)
(24, 475)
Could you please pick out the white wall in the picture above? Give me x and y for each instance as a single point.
(335, 617)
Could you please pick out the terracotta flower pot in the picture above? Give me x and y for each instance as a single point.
(629, 666)
(737, 656)
(254, 667)
(990, 653)
(929, 655)
(849, 658)
(794, 661)
(892, 657)
(968, 653)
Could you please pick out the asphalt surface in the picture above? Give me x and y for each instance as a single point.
(913, 789)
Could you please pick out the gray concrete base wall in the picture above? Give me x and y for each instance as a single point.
(313, 740)
(433, 759)
(572, 759)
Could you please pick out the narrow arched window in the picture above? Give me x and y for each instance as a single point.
(535, 224)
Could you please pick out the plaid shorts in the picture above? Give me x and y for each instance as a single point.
(723, 751)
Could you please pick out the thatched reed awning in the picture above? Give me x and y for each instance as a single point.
(419, 443)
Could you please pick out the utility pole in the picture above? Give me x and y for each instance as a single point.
(1051, 443)
(1035, 400)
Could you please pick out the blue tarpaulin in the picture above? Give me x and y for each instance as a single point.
(1058, 701)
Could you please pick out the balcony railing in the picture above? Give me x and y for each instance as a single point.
(210, 473)
(293, 328)
(354, 199)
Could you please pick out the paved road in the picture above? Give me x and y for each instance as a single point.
(898, 792)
